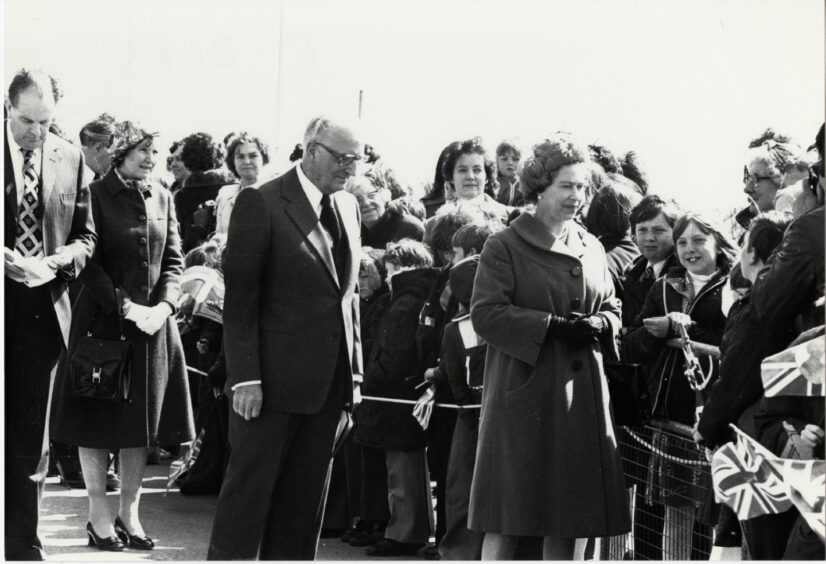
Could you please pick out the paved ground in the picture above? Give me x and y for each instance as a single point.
(180, 525)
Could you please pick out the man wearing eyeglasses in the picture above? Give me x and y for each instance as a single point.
(291, 338)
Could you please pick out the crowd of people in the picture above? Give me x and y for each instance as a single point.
(503, 329)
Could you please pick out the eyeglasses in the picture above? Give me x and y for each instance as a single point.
(343, 159)
(815, 174)
(754, 178)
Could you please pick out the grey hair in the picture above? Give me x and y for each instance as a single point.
(316, 126)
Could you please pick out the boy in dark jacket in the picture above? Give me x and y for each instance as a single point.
(392, 374)
(463, 356)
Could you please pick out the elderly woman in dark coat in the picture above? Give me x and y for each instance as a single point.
(544, 302)
(135, 272)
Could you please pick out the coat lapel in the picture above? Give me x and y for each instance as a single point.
(306, 220)
(529, 228)
(352, 229)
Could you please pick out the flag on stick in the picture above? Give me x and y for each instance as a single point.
(796, 371)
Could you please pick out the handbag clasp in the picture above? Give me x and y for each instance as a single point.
(96, 375)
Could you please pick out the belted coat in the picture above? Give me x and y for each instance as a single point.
(546, 437)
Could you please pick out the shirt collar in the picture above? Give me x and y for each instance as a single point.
(314, 195)
(657, 267)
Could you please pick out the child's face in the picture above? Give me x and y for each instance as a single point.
(507, 163)
(458, 254)
(365, 288)
(697, 251)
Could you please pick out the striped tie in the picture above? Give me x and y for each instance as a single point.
(29, 236)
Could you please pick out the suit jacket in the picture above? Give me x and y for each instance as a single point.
(285, 311)
(67, 216)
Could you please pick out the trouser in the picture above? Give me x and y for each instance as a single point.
(459, 542)
(439, 436)
(408, 495)
(373, 484)
(271, 505)
(33, 345)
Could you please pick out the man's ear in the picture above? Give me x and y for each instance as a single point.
(7, 104)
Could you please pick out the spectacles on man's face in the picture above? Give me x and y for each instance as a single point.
(815, 174)
(343, 159)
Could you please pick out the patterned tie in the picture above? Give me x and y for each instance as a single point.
(648, 274)
(29, 236)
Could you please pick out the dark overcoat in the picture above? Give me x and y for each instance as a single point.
(547, 462)
(138, 256)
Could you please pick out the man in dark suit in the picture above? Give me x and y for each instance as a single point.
(48, 224)
(291, 337)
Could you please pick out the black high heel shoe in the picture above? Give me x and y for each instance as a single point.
(112, 544)
(132, 541)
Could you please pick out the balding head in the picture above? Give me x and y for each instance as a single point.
(332, 151)
(30, 104)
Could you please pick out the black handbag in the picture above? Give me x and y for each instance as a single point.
(100, 367)
(629, 394)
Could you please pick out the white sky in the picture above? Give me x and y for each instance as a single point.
(686, 84)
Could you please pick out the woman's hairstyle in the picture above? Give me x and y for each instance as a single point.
(545, 160)
(508, 146)
(393, 184)
(768, 134)
(370, 154)
(239, 140)
(368, 267)
(631, 170)
(298, 152)
(408, 253)
(128, 135)
(766, 232)
(201, 153)
(726, 250)
(609, 215)
(438, 188)
(471, 237)
(471, 147)
(605, 158)
(774, 159)
(650, 207)
(408, 205)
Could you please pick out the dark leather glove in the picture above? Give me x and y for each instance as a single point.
(578, 331)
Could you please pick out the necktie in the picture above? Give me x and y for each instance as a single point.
(29, 234)
(648, 274)
(329, 220)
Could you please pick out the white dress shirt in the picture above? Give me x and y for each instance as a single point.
(17, 162)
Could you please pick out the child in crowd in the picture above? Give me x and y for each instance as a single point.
(688, 296)
(508, 156)
(463, 355)
(392, 373)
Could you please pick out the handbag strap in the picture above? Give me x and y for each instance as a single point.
(119, 311)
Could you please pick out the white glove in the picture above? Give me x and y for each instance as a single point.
(155, 318)
(137, 312)
(424, 407)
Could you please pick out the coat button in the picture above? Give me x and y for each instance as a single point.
(142, 217)
(576, 365)
(576, 271)
(143, 240)
(144, 288)
(575, 303)
(144, 264)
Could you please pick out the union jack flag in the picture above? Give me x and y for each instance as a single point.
(796, 371)
(806, 478)
(744, 483)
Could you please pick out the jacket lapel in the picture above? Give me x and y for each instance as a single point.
(10, 188)
(306, 220)
(51, 161)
